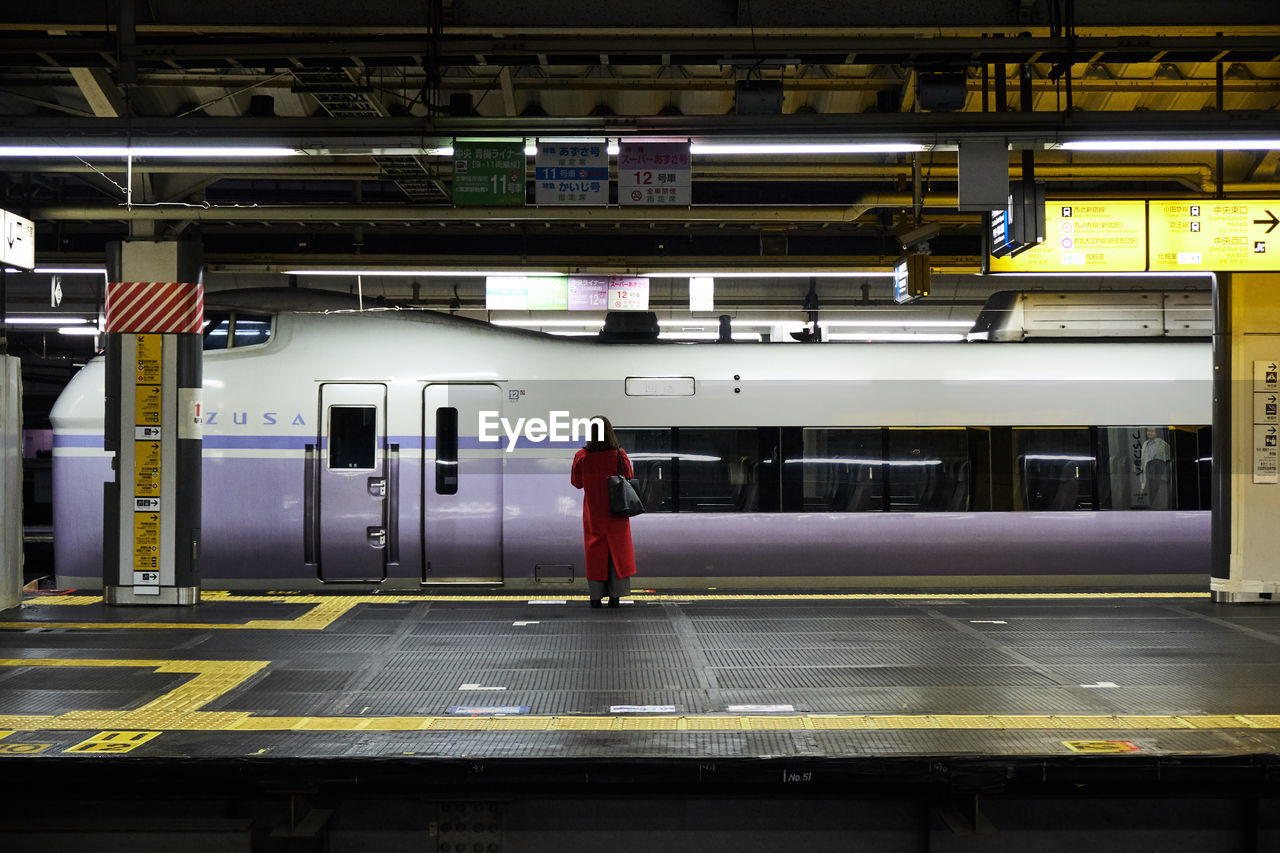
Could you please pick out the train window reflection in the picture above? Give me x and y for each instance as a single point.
(216, 331)
(250, 329)
(353, 437)
(1054, 469)
(718, 470)
(653, 462)
(446, 450)
(842, 470)
(929, 470)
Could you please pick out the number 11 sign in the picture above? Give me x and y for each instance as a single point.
(488, 173)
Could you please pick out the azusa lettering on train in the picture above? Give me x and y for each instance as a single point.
(242, 418)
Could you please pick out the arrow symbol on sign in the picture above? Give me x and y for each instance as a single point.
(1271, 431)
(1271, 223)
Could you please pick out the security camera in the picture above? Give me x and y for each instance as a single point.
(919, 235)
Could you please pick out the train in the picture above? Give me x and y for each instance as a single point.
(409, 449)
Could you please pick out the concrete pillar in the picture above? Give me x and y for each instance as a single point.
(151, 524)
(1246, 438)
(10, 482)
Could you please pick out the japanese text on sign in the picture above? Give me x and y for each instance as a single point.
(572, 173)
(1214, 235)
(1080, 236)
(488, 173)
(654, 173)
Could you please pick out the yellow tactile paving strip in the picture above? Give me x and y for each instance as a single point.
(179, 709)
(327, 609)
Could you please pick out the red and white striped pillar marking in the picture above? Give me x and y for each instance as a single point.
(151, 307)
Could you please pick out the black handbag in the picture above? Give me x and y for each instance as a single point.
(624, 494)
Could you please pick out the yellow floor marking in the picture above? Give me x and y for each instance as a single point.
(327, 609)
(179, 710)
(114, 742)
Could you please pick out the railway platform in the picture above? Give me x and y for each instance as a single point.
(947, 710)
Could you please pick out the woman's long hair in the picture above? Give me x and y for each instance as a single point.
(610, 440)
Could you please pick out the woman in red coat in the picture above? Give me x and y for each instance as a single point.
(610, 560)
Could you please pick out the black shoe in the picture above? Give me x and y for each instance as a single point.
(595, 602)
(615, 602)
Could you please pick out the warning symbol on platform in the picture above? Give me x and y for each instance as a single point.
(1102, 747)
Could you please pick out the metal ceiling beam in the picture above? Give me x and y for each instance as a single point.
(412, 78)
(100, 91)
(315, 132)
(685, 48)
(479, 215)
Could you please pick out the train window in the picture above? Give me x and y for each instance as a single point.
(928, 470)
(842, 469)
(718, 470)
(250, 329)
(446, 450)
(353, 437)
(1053, 468)
(654, 464)
(217, 328)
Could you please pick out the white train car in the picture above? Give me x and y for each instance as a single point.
(363, 448)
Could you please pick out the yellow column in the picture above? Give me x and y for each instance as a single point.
(1246, 524)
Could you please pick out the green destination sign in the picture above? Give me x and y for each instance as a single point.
(488, 173)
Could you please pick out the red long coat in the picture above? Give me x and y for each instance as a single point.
(602, 532)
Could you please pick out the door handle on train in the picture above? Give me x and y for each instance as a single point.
(377, 487)
(376, 537)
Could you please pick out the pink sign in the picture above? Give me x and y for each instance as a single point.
(588, 293)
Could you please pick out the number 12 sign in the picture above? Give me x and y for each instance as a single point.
(654, 174)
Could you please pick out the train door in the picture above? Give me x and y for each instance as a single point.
(352, 489)
(461, 486)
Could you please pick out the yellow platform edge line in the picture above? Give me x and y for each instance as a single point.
(328, 609)
(179, 710)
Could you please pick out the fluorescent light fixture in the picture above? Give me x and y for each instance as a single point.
(120, 152)
(62, 270)
(797, 273)
(805, 147)
(613, 149)
(79, 330)
(53, 320)
(530, 149)
(708, 336)
(403, 273)
(923, 337)
(1171, 145)
(903, 324)
(584, 323)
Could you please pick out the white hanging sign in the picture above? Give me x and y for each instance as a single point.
(17, 241)
(655, 174)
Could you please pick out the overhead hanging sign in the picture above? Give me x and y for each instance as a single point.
(655, 174)
(526, 293)
(17, 241)
(1086, 236)
(1215, 235)
(629, 294)
(588, 293)
(572, 172)
(488, 173)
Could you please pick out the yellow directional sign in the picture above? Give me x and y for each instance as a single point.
(146, 468)
(150, 349)
(1215, 235)
(1085, 237)
(147, 405)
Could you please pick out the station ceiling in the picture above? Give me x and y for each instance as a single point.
(340, 79)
